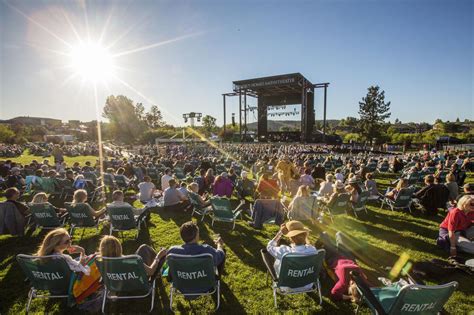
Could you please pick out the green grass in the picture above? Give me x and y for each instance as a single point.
(26, 158)
(382, 236)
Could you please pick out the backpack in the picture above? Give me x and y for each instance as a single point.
(82, 285)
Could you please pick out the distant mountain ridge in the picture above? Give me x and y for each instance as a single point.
(277, 124)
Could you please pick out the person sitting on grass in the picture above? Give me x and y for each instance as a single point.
(80, 197)
(223, 186)
(189, 232)
(371, 185)
(118, 201)
(453, 187)
(456, 232)
(110, 246)
(147, 190)
(173, 198)
(193, 190)
(433, 196)
(42, 198)
(298, 235)
(56, 242)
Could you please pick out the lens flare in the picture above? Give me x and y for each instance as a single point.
(92, 62)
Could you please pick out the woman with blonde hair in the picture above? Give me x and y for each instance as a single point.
(452, 186)
(80, 197)
(110, 247)
(56, 242)
(301, 207)
(42, 198)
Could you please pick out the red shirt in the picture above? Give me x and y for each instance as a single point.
(342, 268)
(457, 220)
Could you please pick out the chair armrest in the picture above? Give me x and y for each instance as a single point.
(366, 292)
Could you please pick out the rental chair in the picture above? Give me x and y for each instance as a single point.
(384, 168)
(80, 217)
(123, 219)
(404, 200)
(297, 271)
(222, 211)
(125, 278)
(109, 181)
(45, 273)
(66, 188)
(45, 217)
(179, 173)
(122, 183)
(197, 207)
(193, 276)
(339, 206)
(361, 203)
(410, 299)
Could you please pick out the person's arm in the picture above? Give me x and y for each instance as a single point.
(97, 213)
(182, 196)
(452, 243)
(272, 246)
(150, 270)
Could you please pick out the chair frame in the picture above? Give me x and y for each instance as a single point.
(62, 219)
(236, 212)
(73, 226)
(135, 218)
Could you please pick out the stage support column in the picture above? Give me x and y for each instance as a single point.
(324, 117)
(223, 102)
(303, 112)
(245, 114)
(240, 115)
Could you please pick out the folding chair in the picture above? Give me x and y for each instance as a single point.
(123, 219)
(45, 273)
(179, 173)
(109, 181)
(80, 217)
(45, 217)
(66, 188)
(339, 206)
(193, 276)
(123, 276)
(122, 183)
(197, 207)
(298, 271)
(222, 211)
(361, 203)
(410, 299)
(403, 200)
(306, 210)
(384, 168)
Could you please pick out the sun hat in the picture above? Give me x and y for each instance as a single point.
(339, 184)
(295, 228)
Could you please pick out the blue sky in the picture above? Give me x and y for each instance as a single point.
(419, 52)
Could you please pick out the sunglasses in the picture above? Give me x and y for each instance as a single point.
(68, 241)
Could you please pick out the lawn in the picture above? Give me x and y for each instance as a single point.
(382, 236)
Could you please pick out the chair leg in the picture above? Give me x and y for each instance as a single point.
(275, 297)
(71, 231)
(218, 294)
(171, 298)
(103, 300)
(82, 235)
(30, 298)
(319, 292)
(152, 296)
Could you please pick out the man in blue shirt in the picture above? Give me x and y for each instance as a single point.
(190, 234)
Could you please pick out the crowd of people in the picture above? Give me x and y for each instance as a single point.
(302, 180)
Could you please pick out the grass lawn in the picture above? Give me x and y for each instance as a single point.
(382, 235)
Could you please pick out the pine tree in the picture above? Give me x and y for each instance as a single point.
(373, 111)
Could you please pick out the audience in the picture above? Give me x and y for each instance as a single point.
(173, 198)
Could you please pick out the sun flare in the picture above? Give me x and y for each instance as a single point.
(92, 62)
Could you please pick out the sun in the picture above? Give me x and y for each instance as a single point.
(92, 62)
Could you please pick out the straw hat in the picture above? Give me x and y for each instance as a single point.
(295, 228)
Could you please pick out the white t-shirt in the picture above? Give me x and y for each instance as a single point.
(146, 189)
(165, 181)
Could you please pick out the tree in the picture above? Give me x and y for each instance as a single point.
(6, 134)
(140, 111)
(154, 119)
(209, 123)
(373, 111)
(397, 121)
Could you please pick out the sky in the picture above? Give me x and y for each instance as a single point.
(182, 55)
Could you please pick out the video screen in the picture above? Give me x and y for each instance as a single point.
(284, 118)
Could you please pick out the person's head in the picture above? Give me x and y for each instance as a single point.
(402, 183)
(466, 203)
(217, 179)
(209, 172)
(12, 193)
(297, 232)
(468, 188)
(339, 187)
(429, 179)
(40, 198)
(244, 175)
(15, 171)
(172, 183)
(117, 195)
(307, 171)
(303, 191)
(110, 247)
(39, 173)
(120, 171)
(80, 196)
(329, 178)
(450, 178)
(369, 176)
(56, 241)
(168, 171)
(147, 179)
(194, 187)
(69, 174)
(189, 232)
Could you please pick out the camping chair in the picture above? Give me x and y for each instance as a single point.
(361, 203)
(45, 217)
(193, 276)
(410, 299)
(45, 273)
(296, 272)
(91, 177)
(403, 200)
(66, 188)
(179, 173)
(123, 219)
(197, 207)
(413, 178)
(123, 276)
(384, 168)
(122, 183)
(222, 210)
(306, 210)
(81, 217)
(339, 206)
(267, 211)
(109, 181)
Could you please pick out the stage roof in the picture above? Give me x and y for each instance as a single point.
(274, 85)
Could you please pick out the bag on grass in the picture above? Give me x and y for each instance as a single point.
(83, 285)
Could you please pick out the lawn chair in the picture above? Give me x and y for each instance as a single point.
(361, 203)
(296, 272)
(410, 299)
(222, 210)
(45, 217)
(413, 178)
(123, 219)
(122, 183)
(80, 217)
(339, 206)
(66, 188)
(45, 273)
(123, 276)
(193, 276)
(384, 168)
(179, 173)
(306, 210)
(404, 200)
(197, 207)
(109, 181)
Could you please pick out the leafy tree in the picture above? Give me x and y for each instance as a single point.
(154, 119)
(209, 123)
(140, 111)
(6, 134)
(397, 121)
(373, 111)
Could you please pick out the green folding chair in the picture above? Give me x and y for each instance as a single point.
(193, 276)
(179, 173)
(125, 278)
(122, 219)
(222, 211)
(403, 200)
(298, 271)
(339, 206)
(80, 217)
(197, 207)
(413, 299)
(46, 274)
(109, 181)
(45, 217)
(361, 203)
